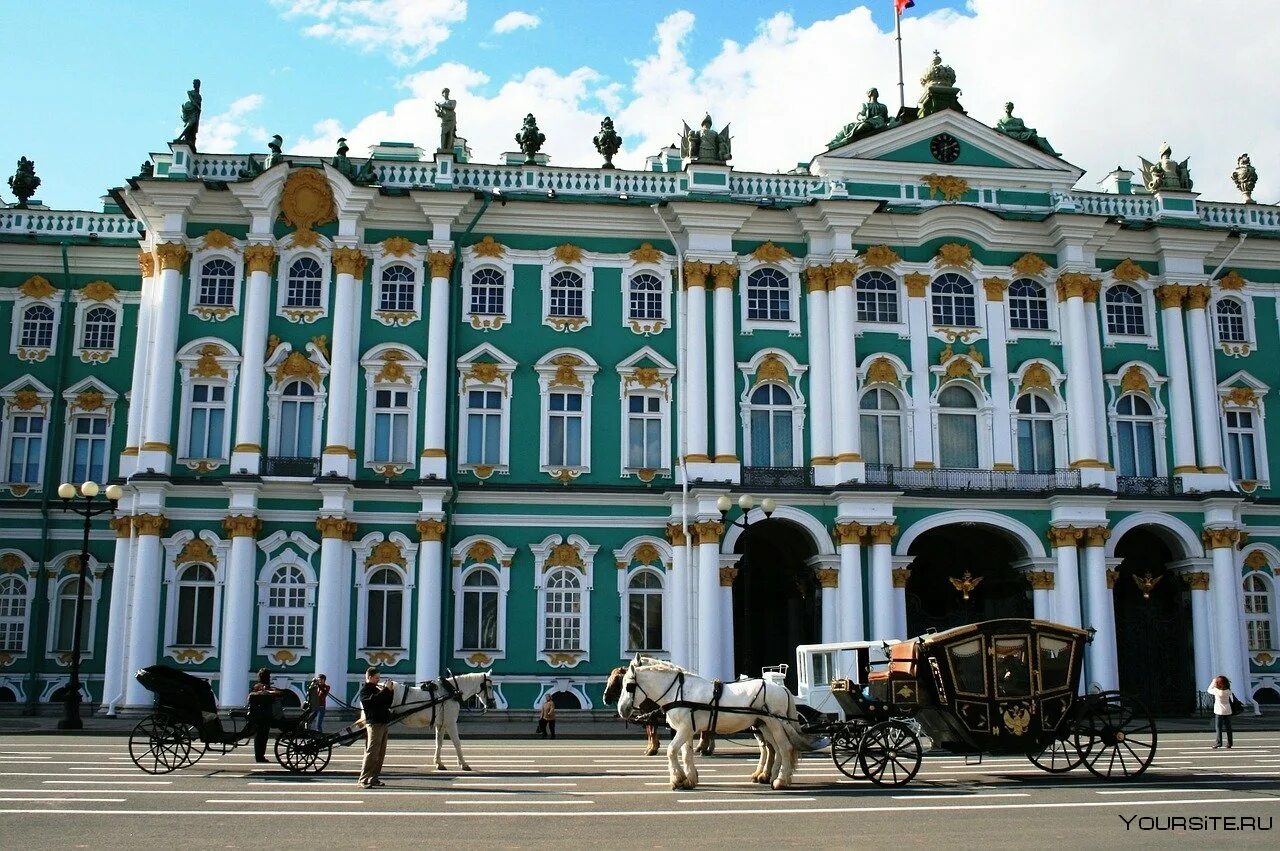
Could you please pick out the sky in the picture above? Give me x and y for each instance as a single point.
(1105, 81)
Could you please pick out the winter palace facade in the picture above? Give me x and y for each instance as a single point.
(429, 414)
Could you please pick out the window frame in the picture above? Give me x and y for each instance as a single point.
(216, 312)
(288, 559)
(1146, 304)
(1257, 410)
(1050, 308)
(935, 305)
(52, 299)
(278, 379)
(981, 413)
(483, 591)
(497, 558)
(566, 322)
(654, 381)
(504, 266)
(789, 268)
(471, 368)
(628, 577)
(1249, 340)
(192, 359)
(1053, 415)
(39, 399)
(89, 619)
(1155, 418)
(544, 567)
(383, 261)
(380, 376)
(878, 324)
(902, 413)
(552, 379)
(322, 254)
(25, 575)
(1269, 617)
(751, 382)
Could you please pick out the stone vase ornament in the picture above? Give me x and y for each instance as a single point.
(24, 182)
(608, 142)
(1245, 177)
(530, 140)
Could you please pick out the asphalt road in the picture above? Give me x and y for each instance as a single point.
(63, 791)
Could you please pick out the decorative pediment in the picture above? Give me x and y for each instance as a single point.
(770, 253)
(398, 246)
(99, 291)
(37, 286)
(196, 550)
(1129, 272)
(385, 552)
(298, 365)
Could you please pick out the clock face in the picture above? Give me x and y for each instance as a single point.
(945, 148)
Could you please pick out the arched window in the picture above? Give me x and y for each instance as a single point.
(1136, 433)
(304, 280)
(1028, 305)
(26, 444)
(384, 627)
(396, 292)
(881, 422)
(566, 294)
(297, 421)
(37, 327)
(488, 292)
(768, 295)
(391, 426)
(772, 423)
(218, 282)
(287, 608)
(1258, 611)
(66, 617)
(1242, 444)
(562, 620)
(1230, 313)
(953, 301)
(99, 329)
(1035, 434)
(1125, 314)
(89, 448)
(644, 297)
(480, 610)
(13, 613)
(957, 428)
(877, 296)
(196, 589)
(644, 612)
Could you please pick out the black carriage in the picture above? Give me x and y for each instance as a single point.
(1000, 687)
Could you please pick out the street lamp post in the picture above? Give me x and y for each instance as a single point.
(88, 508)
(746, 502)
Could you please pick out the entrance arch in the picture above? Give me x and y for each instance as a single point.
(1154, 645)
(944, 553)
(777, 603)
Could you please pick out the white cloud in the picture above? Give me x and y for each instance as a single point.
(410, 30)
(221, 133)
(1093, 76)
(516, 21)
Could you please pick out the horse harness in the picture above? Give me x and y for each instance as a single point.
(714, 708)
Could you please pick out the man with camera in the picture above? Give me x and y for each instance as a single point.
(376, 699)
(318, 699)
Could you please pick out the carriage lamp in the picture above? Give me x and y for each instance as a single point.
(82, 500)
(746, 502)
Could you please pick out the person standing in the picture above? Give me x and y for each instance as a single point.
(262, 699)
(318, 698)
(547, 718)
(375, 698)
(1220, 688)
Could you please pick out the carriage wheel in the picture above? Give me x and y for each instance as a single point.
(1056, 757)
(303, 751)
(157, 745)
(198, 748)
(1115, 735)
(844, 750)
(890, 754)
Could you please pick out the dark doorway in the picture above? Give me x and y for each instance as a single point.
(776, 601)
(1153, 626)
(944, 554)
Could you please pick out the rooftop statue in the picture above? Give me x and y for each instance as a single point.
(940, 92)
(276, 146)
(445, 111)
(872, 117)
(530, 139)
(608, 142)
(356, 174)
(1015, 129)
(191, 116)
(147, 169)
(1245, 177)
(24, 182)
(1167, 174)
(706, 145)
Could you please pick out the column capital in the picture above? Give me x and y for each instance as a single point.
(242, 526)
(1227, 538)
(725, 275)
(708, 532)
(882, 533)
(1096, 536)
(441, 263)
(675, 534)
(1112, 576)
(1171, 296)
(1041, 580)
(349, 261)
(1196, 580)
(828, 577)
(151, 524)
(123, 525)
(817, 278)
(916, 284)
(171, 255)
(147, 264)
(1074, 285)
(430, 529)
(995, 288)
(695, 273)
(900, 576)
(1198, 297)
(1064, 536)
(258, 258)
(336, 527)
(841, 274)
(727, 575)
(849, 533)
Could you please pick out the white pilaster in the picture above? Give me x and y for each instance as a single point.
(1228, 654)
(821, 455)
(921, 420)
(144, 631)
(696, 361)
(1001, 433)
(725, 422)
(247, 452)
(426, 645)
(1195, 574)
(333, 603)
(1093, 334)
(1174, 346)
(884, 618)
(235, 655)
(728, 658)
(1066, 579)
(1204, 384)
(113, 677)
(846, 437)
(434, 462)
(338, 455)
(678, 594)
(849, 539)
(828, 572)
(156, 452)
(709, 600)
(1103, 666)
(1080, 394)
(141, 365)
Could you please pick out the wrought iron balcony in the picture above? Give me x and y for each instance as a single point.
(777, 478)
(299, 468)
(1148, 485)
(971, 480)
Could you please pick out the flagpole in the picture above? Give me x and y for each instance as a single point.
(902, 91)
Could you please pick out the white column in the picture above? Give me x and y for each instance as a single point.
(426, 645)
(918, 326)
(695, 279)
(1001, 431)
(118, 616)
(847, 437)
(821, 454)
(678, 595)
(349, 263)
(1228, 655)
(884, 617)
(1066, 578)
(1204, 384)
(156, 451)
(728, 670)
(1041, 582)
(247, 451)
(333, 609)
(832, 617)
(141, 355)
(144, 632)
(1201, 626)
(901, 575)
(433, 438)
(849, 539)
(708, 537)
(1174, 346)
(725, 423)
(1104, 667)
(235, 655)
(1093, 334)
(1080, 397)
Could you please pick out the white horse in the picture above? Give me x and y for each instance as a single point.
(451, 691)
(742, 705)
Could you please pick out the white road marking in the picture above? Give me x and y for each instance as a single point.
(752, 800)
(959, 796)
(71, 800)
(113, 782)
(523, 802)
(1155, 791)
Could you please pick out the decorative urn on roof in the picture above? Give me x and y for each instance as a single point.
(1245, 177)
(24, 182)
(530, 139)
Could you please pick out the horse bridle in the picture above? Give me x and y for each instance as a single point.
(634, 686)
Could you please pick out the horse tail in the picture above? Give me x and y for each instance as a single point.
(792, 727)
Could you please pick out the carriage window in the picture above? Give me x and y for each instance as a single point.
(967, 667)
(1055, 662)
(821, 669)
(1013, 667)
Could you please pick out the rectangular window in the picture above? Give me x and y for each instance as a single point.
(195, 615)
(1137, 449)
(285, 630)
(67, 620)
(385, 610)
(13, 614)
(484, 427)
(26, 445)
(958, 441)
(479, 620)
(397, 296)
(391, 426)
(564, 621)
(644, 625)
(89, 450)
(882, 439)
(564, 430)
(1035, 446)
(208, 414)
(644, 432)
(1242, 456)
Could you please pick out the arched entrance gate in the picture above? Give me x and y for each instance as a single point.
(940, 596)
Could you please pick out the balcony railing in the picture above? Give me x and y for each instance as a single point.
(971, 480)
(777, 478)
(300, 468)
(1148, 485)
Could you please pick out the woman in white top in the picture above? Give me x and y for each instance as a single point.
(1220, 688)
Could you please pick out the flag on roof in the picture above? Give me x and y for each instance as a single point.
(901, 6)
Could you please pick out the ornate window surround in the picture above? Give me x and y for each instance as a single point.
(872, 374)
(228, 249)
(286, 656)
(1146, 289)
(567, 370)
(503, 262)
(899, 327)
(19, 563)
(1245, 300)
(1013, 334)
(87, 397)
(92, 295)
(181, 550)
(322, 253)
(399, 554)
(982, 409)
(494, 374)
(396, 251)
(1124, 381)
(17, 402)
(477, 552)
(59, 574)
(282, 368)
(788, 266)
(655, 381)
(207, 360)
(575, 554)
(647, 261)
(36, 290)
(391, 366)
(1248, 398)
(655, 557)
(568, 258)
(1046, 382)
(1272, 616)
(763, 368)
